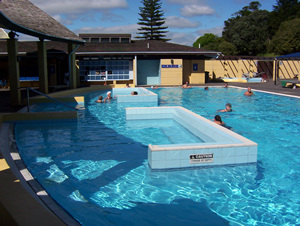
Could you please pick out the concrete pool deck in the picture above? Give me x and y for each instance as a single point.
(17, 205)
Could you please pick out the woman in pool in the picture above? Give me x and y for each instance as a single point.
(218, 120)
(109, 97)
(227, 108)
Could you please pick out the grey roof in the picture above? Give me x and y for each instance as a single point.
(24, 17)
(143, 47)
(139, 48)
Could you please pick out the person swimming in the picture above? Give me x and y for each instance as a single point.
(248, 92)
(134, 93)
(228, 108)
(218, 120)
(100, 99)
(186, 86)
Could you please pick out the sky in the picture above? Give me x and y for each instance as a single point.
(187, 20)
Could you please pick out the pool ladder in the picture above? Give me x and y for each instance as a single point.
(51, 98)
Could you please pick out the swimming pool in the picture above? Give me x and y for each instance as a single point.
(97, 169)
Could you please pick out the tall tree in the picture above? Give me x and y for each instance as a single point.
(248, 31)
(205, 40)
(152, 21)
(283, 10)
(287, 38)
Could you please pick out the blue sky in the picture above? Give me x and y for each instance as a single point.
(186, 19)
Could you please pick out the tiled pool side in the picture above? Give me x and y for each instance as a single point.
(144, 95)
(221, 146)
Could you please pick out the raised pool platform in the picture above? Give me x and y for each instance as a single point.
(144, 95)
(218, 146)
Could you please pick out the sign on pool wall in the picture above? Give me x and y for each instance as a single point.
(202, 158)
(171, 66)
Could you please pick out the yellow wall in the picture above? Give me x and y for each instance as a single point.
(288, 69)
(230, 68)
(191, 76)
(171, 76)
(134, 73)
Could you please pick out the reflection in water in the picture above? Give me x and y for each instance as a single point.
(88, 169)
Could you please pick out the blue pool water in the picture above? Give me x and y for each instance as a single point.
(97, 168)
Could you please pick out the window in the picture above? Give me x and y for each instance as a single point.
(114, 40)
(86, 39)
(96, 70)
(124, 40)
(94, 40)
(104, 40)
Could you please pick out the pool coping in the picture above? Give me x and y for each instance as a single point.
(11, 154)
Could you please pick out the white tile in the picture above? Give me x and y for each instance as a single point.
(173, 164)
(173, 155)
(242, 151)
(241, 159)
(252, 158)
(159, 155)
(228, 160)
(227, 152)
(217, 161)
(158, 165)
(185, 162)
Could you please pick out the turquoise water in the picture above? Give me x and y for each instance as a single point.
(97, 168)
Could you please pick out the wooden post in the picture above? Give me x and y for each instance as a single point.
(275, 70)
(43, 68)
(14, 73)
(72, 66)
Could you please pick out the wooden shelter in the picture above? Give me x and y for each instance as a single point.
(21, 16)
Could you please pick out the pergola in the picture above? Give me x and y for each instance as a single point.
(24, 17)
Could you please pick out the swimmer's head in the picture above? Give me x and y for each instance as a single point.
(218, 118)
(228, 106)
(108, 93)
(100, 97)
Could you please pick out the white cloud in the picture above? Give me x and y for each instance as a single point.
(196, 10)
(182, 38)
(185, 2)
(54, 7)
(215, 30)
(180, 22)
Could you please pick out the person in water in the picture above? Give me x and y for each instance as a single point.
(100, 100)
(134, 93)
(228, 108)
(248, 92)
(226, 85)
(218, 120)
(206, 88)
(109, 97)
(186, 85)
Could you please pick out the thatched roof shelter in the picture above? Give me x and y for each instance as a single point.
(24, 17)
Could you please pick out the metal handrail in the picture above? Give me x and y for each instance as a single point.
(51, 98)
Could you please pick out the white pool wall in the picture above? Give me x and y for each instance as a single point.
(144, 95)
(226, 146)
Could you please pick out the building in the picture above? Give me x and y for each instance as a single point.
(117, 58)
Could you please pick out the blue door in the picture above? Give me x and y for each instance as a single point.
(148, 72)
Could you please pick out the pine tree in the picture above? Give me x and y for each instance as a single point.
(151, 21)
